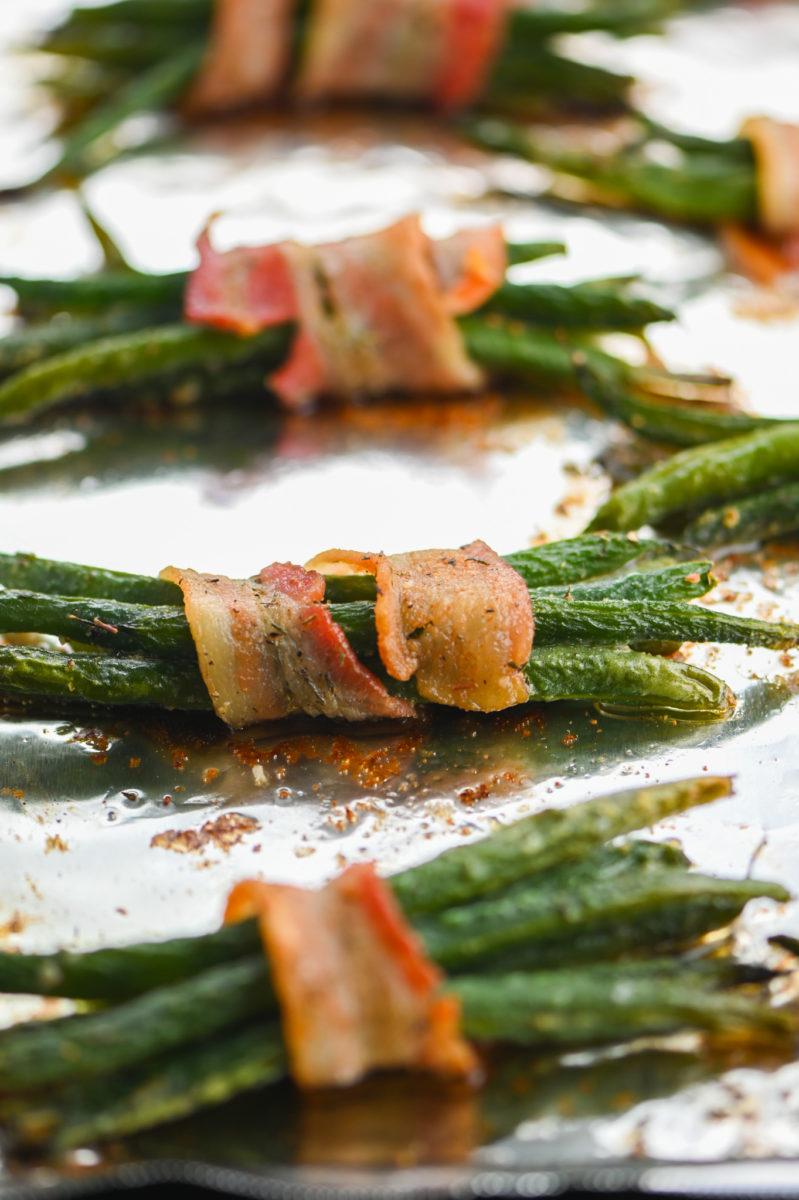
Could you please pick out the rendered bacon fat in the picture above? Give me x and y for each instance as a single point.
(438, 51)
(356, 991)
(269, 647)
(248, 55)
(375, 313)
(460, 622)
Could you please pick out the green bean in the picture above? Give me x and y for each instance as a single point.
(769, 514)
(33, 343)
(158, 354)
(627, 682)
(525, 252)
(521, 352)
(606, 1003)
(601, 622)
(118, 973)
(738, 150)
(697, 477)
(129, 359)
(96, 678)
(685, 581)
(163, 1090)
(183, 13)
(150, 89)
(684, 421)
(523, 74)
(703, 186)
(576, 559)
(624, 681)
(550, 565)
(641, 903)
(534, 24)
(94, 294)
(117, 45)
(586, 306)
(544, 840)
(43, 1053)
(115, 625)
(31, 573)
(592, 615)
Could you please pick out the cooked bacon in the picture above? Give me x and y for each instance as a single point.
(269, 647)
(244, 290)
(248, 55)
(471, 265)
(236, 660)
(375, 313)
(390, 49)
(439, 51)
(460, 622)
(474, 37)
(356, 991)
(373, 309)
(776, 147)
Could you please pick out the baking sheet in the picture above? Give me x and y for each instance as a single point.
(126, 826)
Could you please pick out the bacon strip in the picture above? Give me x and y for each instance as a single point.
(471, 265)
(356, 991)
(475, 33)
(243, 290)
(248, 55)
(776, 147)
(438, 51)
(269, 647)
(763, 260)
(375, 313)
(386, 48)
(460, 622)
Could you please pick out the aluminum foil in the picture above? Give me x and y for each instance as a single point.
(115, 828)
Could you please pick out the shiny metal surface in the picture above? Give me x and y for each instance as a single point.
(120, 827)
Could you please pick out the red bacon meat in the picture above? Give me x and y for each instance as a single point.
(269, 647)
(356, 991)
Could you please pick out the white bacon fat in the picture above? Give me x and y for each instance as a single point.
(459, 622)
(776, 147)
(269, 647)
(375, 313)
(356, 991)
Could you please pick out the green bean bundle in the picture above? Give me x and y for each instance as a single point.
(192, 1022)
(738, 489)
(594, 618)
(119, 334)
(146, 57)
(647, 166)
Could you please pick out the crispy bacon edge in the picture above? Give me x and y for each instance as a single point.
(475, 35)
(400, 623)
(356, 991)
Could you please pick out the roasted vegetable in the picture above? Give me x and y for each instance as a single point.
(199, 1024)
